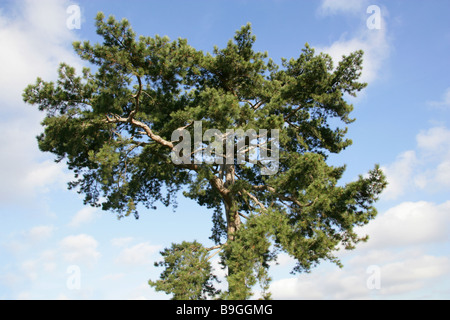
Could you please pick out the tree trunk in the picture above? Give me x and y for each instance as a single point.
(233, 219)
(233, 225)
(231, 210)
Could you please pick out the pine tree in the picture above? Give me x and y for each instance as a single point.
(114, 129)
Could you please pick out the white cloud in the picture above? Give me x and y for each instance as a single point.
(139, 254)
(142, 291)
(34, 41)
(426, 168)
(402, 246)
(398, 174)
(376, 51)
(436, 140)
(413, 276)
(24, 240)
(33, 270)
(409, 224)
(442, 175)
(37, 41)
(375, 43)
(443, 103)
(39, 233)
(85, 215)
(23, 172)
(295, 288)
(348, 283)
(80, 248)
(435, 146)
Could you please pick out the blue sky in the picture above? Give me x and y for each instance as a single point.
(402, 124)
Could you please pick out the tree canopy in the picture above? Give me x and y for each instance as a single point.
(114, 129)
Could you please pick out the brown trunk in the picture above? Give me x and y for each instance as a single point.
(233, 219)
(233, 224)
(231, 211)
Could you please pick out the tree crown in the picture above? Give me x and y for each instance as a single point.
(114, 129)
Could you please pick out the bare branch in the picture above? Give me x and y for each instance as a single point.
(211, 256)
(259, 104)
(255, 200)
(243, 215)
(215, 247)
(220, 247)
(186, 126)
(284, 197)
(139, 124)
(254, 106)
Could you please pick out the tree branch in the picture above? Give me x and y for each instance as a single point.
(259, 104)
(243, 215)
(255, 200)
(283, 197)
(220, 247)
(215, 247)
(136, 97)
(292, 113)
(215, 181)
(118, 119)
(254, 106)
(186, 126)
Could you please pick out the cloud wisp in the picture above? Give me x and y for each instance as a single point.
(444, 103)
(427, 168)
(37, 41)
(373, 41)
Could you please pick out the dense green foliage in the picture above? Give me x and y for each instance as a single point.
(186, 263)
(114, 127)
